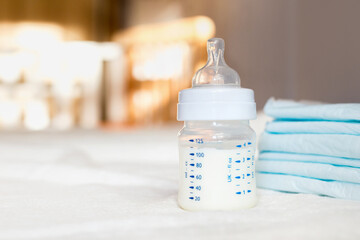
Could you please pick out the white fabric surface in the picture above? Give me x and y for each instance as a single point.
(123, 185)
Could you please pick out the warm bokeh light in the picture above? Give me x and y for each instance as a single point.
(36, 115)
(192, 29)
(161, 61)
(30, 35)
(37, 36)
(10, 113)
(162, 56)
(11, 65)
(51, 82)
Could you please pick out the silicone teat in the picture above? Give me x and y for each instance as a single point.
(216, 73)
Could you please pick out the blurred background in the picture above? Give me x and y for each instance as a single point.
(117, 63)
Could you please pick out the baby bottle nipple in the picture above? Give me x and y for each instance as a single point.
(216, 73)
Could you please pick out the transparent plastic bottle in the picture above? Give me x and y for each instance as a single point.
(216, 145)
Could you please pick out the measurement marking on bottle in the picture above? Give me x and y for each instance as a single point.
(200, 154)
(199, 141)
(238, 176)
(248, 191)
(239, 146)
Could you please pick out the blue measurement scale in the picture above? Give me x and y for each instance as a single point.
(236, 168)
(193, 168)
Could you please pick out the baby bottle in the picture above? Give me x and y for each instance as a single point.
(216, 144)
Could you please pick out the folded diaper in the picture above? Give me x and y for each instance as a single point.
(337, 145)
(311, 148)
(320, 127)
(336, 161)
(311, 170)
(284, 109)
(297, 184)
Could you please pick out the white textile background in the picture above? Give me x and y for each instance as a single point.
(117, 185)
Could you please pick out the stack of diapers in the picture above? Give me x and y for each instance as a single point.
(311, 148)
